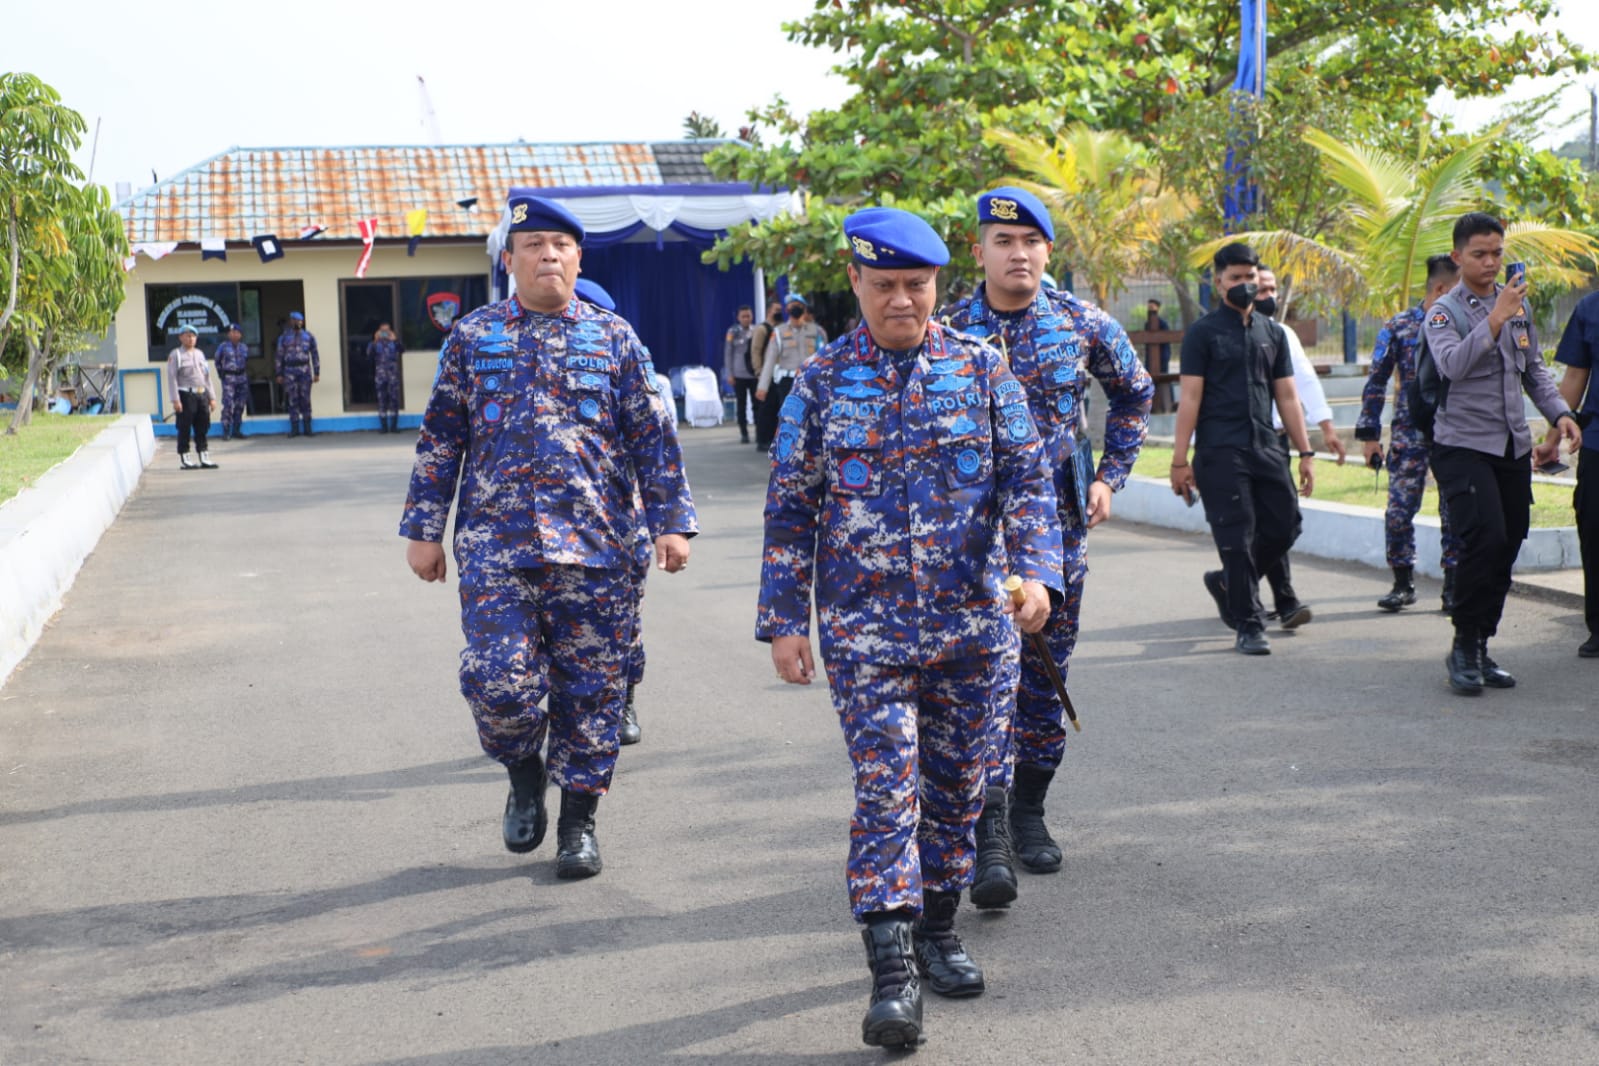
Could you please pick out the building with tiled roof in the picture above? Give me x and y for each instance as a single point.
(281, 230)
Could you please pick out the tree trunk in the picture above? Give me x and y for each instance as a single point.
(16, 263)
(1187, 303)
(24, 412)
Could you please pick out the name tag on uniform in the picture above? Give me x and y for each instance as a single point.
(1522, 334)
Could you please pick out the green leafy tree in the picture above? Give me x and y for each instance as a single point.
(702, 127)
(930, 76)
(62, 245)
(1398, 211)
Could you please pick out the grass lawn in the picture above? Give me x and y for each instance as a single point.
(40, 445)
(1355, 485)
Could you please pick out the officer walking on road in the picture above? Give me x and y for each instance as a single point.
(1395, 356)
(1483, 339)
(906, 473)
(297, 366)
(231, 356)
(1579, 346)
(1235, 366)
(1052, 342)
(546, 409)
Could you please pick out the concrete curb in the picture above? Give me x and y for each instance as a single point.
(1339, 531)
(48, 530)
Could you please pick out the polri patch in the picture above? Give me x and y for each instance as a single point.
(856, 473)
(1439, 319)
(793, 409)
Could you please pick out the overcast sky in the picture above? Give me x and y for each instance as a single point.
(175, 83)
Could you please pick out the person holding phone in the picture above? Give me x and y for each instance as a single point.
(1578, 346)
(1481, 442)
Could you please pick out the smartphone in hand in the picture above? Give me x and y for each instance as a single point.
(1552, 468)
(1513, 271)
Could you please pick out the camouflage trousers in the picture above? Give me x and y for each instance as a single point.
(560, 631)
(388, 390)
(297, 395)
(915, 737)
(235, 401)
(1028, 723)
(644, 555)
(1407, 479)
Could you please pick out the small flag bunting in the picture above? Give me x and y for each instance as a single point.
(213, 248)
(369, 232)
(267, 247)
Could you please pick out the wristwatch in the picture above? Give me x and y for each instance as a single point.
(1307, 455)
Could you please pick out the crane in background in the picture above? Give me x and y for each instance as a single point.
(429, 120)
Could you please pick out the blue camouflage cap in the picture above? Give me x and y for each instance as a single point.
(295, 316)
(594, 293)
(890, 239)
(1018, 207)
(530, 213)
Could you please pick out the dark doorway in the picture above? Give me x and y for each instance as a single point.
(365, 305)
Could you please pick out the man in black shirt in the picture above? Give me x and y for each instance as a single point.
(1234, 363)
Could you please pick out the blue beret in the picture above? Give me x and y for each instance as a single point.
(535, 213)
(296, 315)
(594, 293)
(1017, 207)
(888, 238)
(795, 298)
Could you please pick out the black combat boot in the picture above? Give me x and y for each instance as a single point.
(1448, 601)
(238, 431)
(526, 818)
(1403, 594)
(1035, 848)
(1493, 675)
(577, 852)
(294, 427)
(307, 430)
(894, 1018)
(1465, 664)
(994, 885)
(631, 733)
(940, 956)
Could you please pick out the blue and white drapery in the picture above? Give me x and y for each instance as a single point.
(643, 243)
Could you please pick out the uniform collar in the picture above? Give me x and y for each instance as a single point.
(516, 312)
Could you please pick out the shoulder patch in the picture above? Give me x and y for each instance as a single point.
(793, 409)
(1439, 319)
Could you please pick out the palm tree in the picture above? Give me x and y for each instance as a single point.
(1400, 212)
(1110, 208)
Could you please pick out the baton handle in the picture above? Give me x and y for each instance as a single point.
(1013, 585)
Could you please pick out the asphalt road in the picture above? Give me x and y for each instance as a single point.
(244, 819)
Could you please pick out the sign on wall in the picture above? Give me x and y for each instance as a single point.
(207, 309)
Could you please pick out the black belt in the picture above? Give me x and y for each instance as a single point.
(302, 362)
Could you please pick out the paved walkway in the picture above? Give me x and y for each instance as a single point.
(244, 819)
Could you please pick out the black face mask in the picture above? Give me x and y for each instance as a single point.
(1267, 305)
(796, 313)
(1242, 295)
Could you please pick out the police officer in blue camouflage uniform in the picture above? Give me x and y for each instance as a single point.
(385, 351)
(1052, 342)
(546, 409)
(231, 355)
(906, 474)
(593, 292)
(297, 366)
(1395, 356)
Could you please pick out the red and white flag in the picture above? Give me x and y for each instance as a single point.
(369, 233)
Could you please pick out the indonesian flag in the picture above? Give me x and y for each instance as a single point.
(369, 232)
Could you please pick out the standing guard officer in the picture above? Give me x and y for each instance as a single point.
(790, 345)
(1235, 365)
(550, 405)
(385, 351)
(298, 366)
(231, 356)
(1395, 355)
(1579, 344)
(1052, 342)
(906, 471)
